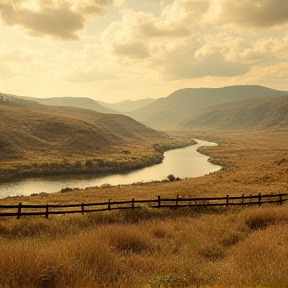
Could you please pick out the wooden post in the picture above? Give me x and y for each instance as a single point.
(259, 199)
(242, 198)
(109, 205)
(19, 210)
(281, 200)
(82, 208)
(159, 201)
(47, 211)
(177, 199)
(132, 203)
(227, 200)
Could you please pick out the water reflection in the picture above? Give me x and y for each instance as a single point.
(183, 163)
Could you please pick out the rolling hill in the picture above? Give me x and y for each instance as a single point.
(52, 140)
(185, 103)
(249, 113)
(78, 102)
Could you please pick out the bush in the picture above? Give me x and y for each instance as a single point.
(88, 164)
(171, 177)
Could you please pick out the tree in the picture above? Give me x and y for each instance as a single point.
(171, 177)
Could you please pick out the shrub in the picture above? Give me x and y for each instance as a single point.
(171, 177)
(89, 163)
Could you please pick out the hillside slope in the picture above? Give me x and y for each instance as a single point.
(45, 140)
(188, 102)
(251, 113)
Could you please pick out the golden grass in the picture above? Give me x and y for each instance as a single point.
(235, 247)
(147, 248)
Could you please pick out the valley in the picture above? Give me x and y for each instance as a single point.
(198, 247)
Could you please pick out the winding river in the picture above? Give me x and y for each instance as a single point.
(183, 163)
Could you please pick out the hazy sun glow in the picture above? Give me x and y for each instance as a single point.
(132, 49)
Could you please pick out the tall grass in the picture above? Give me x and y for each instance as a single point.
(148, 248)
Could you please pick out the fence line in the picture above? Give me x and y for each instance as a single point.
(54, 209)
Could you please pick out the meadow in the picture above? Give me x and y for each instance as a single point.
(203, 247)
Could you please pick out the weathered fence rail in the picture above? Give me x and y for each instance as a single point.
(54, 209)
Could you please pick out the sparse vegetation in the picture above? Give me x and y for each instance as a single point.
(160, 248)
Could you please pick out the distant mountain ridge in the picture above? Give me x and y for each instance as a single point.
(245, 114)
(127, 105)
(181, 108)
(188, 102)
(88, 103)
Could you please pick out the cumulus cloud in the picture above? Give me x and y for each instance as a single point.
(135, 50)
(256, 13)
(177, 20)
(60, 19)
(138, 33)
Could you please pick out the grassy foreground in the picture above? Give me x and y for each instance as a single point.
(159, 248)
(235, 247)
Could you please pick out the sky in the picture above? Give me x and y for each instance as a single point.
(134, 49)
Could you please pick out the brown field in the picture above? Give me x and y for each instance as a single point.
(220, 247)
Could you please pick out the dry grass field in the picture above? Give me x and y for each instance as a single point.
(219, 247)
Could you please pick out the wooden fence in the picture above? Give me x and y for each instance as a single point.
(51, 209)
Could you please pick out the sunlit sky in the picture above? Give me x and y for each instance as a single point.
(134, 49)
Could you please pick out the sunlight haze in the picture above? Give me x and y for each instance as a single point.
(134, 49)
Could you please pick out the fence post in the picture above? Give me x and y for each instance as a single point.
(177, 199)
(47, 211)
(159, 201)
(227, 200)
(19, 210)
(259, 199)
(109, 205)
(82, 208)
(242, 198)
(281, 200)
(132, 203)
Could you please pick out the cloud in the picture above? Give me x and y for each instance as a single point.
(177, 20)
(186, 64)
(134, 50)
(256, 13)
(60, 19)
(119, 3)
(139, 33)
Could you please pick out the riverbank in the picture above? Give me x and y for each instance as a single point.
(182, 162)
(121, 161)
(252, 163)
